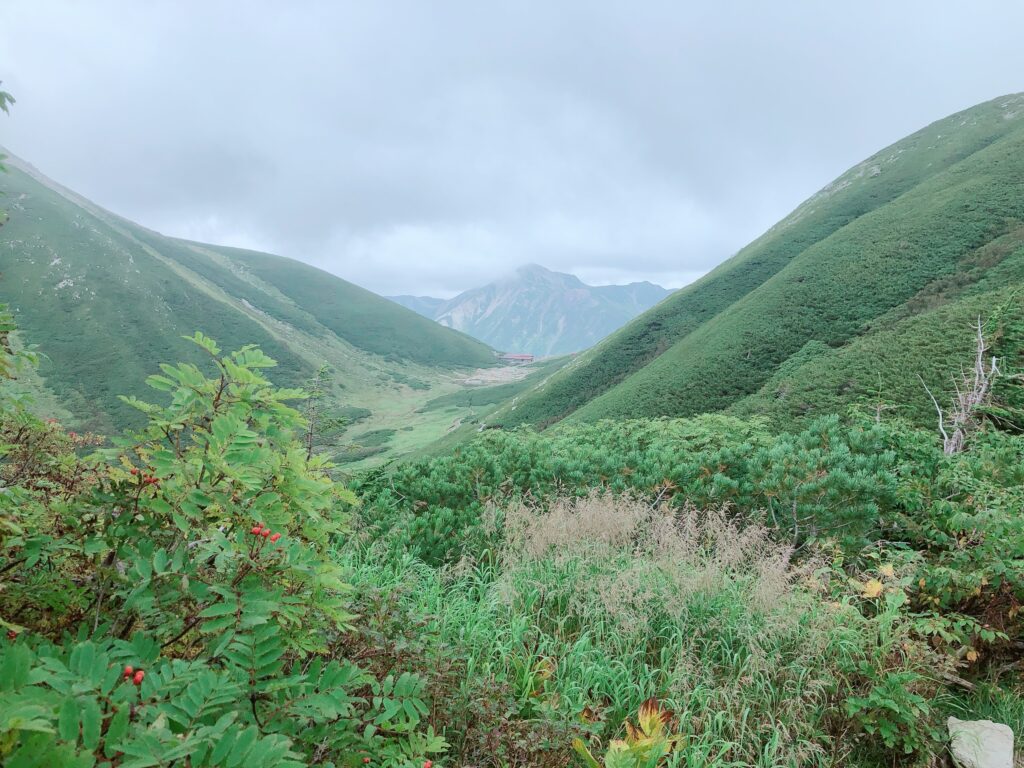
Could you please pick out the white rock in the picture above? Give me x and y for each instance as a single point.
(980, 743)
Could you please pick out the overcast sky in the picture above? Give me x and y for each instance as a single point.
(428, 147)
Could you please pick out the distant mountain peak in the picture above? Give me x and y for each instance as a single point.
(538, 311)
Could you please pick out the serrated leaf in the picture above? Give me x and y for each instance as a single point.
(160, 561)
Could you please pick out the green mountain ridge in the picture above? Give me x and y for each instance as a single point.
(107, 301)
(930, 222)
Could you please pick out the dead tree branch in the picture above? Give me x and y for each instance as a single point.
(973, 391)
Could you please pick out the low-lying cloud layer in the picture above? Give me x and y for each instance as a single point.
(426, 148)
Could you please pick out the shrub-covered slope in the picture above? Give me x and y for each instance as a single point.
(882, 370)
(895, 226)
(107, 300)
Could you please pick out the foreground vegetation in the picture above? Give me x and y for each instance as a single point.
(202, 593)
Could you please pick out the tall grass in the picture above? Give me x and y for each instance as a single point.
(596, 604)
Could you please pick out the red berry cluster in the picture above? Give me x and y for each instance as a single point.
(136, 676)
(12, 635)
(261, 530)
(146, 479)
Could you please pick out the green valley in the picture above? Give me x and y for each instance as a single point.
(105, 301)
(254, 515)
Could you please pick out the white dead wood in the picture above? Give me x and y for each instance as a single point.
(973, 390)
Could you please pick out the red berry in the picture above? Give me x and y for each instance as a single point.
(265, 532)
(275, 537)
(427, 764)
(138, 677)
(12, 635)
(255, 530)
(135, 471)
(366, 760)
(128, 670)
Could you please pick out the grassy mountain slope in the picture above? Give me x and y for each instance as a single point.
(363, 318)
(868, 243)
(884, 369)
(106, 301)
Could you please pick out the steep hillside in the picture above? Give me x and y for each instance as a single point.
(908, 229)
(931, 338)
(539, 311)
(106, 301)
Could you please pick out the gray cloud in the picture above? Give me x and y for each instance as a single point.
(427, 147)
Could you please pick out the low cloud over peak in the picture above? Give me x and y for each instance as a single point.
(425, 148)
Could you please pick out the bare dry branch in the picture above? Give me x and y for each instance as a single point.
(972, 392)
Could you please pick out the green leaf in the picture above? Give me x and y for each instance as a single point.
(223, 748)
(245, 741)
(219, 609)
(67, 722)
(14, 669)
(204, 341)
(160, 561)
(161, 383)
(583, 752)
(91, 721)
(117, 729)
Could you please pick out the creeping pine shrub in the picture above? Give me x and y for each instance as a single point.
(827, 481)
(170, 600)
(960, 515)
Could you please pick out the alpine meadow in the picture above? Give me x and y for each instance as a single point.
(253, 514)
